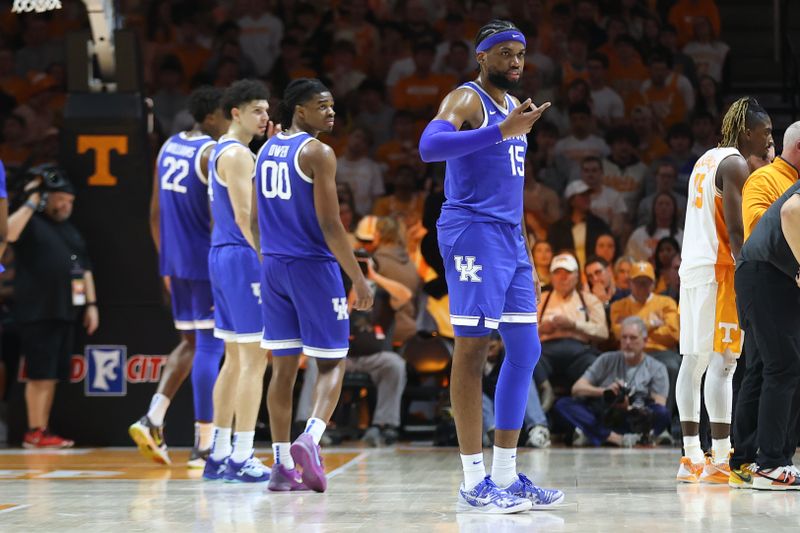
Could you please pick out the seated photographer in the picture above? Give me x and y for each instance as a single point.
(371, 352)
(621, 398)
(570, 320)
(383, 238)
(535, 429)
(660, 315)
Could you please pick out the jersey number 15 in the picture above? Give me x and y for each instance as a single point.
(275, 181)
(517, 155)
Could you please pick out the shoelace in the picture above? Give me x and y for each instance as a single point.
(542, 494)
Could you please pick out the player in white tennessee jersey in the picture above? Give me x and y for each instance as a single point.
(711, 340)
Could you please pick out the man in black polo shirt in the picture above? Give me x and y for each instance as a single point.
(53, 287)
(768, 300)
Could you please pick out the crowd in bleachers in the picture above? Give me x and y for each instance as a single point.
(638, 92)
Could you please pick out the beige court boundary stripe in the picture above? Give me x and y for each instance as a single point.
(352, 462)
(13, 507)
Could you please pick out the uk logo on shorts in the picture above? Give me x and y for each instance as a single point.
(105, 374)
(340, 307)
(256, 287)
(469, 270)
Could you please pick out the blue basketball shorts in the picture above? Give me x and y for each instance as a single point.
(233, 271)
(192, 304)
(304, 308)
(489, 278)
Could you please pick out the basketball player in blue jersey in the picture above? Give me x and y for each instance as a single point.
(233, 266)
(480, 131)
(305, 308)
(181, 227)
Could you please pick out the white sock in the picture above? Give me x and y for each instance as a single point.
(504, 466)
(720, 449)
(222, 444)
(474, 469)
(692, 449)
(316, 428)
(203, 435)
(280, 450)
(158, 408)
(242, 446)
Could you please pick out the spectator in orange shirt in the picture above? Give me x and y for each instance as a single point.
(352, 25)
(421, 92)
(626, 69)
(407, 203)
(651, 146)
(664, 91)
(402, 149)
(574, 65)
(191, 53)
(684, 12)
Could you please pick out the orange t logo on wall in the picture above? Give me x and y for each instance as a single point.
(102, 146)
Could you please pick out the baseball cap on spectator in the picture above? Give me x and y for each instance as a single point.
(576, 187)
(642, 269)
(365, 231)
(565, 261)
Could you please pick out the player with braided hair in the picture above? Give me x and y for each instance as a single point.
(481, 132)
(711, 338)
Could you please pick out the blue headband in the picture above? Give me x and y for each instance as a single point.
(507, 35)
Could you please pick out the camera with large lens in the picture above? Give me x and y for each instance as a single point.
(52, 179)
(364, 257)
(615, 398)
(628, 405)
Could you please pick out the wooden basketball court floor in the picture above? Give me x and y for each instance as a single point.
(405, 488)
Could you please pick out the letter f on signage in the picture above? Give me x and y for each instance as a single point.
(106, 366)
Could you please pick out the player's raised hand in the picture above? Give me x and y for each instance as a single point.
(363, 300)
(273, 129)
(521, 119)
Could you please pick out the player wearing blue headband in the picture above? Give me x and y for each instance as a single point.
(480, 131)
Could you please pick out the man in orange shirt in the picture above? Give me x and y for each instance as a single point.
(684, 12)
(662, 91)
(626, 70)
(768, 183)
(421, 92)
(764, 186)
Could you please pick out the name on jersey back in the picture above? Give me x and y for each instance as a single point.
(181, 150)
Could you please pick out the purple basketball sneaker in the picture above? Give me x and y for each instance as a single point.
(305, 453)
(283, 479)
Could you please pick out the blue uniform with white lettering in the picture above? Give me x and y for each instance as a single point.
(232, 263)
(488, 272)
(185, 226)
(305, 305)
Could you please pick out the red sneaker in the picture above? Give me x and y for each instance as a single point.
(42, 438)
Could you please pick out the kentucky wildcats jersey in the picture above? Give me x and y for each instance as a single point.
(486, 185)
(286, 214)
(225, 230)
(183, 203)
